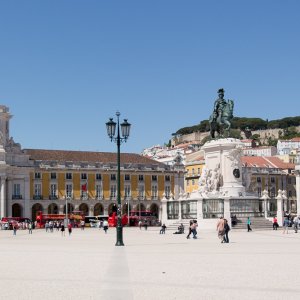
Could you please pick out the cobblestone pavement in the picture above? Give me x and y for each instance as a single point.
(88, 265)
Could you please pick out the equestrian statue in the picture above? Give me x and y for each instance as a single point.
(219, 120)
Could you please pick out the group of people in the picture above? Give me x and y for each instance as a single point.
(289, 222)
(193, 229)
(223, 229)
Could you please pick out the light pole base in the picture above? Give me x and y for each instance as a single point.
(119, 236)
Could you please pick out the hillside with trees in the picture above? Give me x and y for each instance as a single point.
(287, 125)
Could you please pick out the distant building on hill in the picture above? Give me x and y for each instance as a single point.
(260, 151)
(286, 146)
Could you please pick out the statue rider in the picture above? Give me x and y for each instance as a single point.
(219, 106)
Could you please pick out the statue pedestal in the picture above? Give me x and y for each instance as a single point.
(224, 155)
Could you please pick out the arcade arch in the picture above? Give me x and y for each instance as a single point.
(83, 207)
(98, 209)
(53, 209)
(35, 210)
(17, 210)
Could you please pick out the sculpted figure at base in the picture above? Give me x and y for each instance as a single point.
(222, 114)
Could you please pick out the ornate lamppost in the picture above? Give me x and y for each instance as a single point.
(111, 130)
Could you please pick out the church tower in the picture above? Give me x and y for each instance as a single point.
(4, 126)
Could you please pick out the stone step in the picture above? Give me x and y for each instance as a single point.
(256, 223)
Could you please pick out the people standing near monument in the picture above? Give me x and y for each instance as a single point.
(249, 224)
(220, 229)
(163, 229)
(226, 231)
(275, 223)
(285, 225)
(295, 221)
(190, 229)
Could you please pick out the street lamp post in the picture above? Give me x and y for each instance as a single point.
(125, 129)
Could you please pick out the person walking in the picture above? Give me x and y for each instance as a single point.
(249, 224)
(105, 226)
(285, 225)
(62, 229)
(163, 229)
(220, 229)
(70, 228)
(30, 228)
(190, 229)
(194, 229)
(140, 224)
(226, 230)
(15, 227)
(296, 224)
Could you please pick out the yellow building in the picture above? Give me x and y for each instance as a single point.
(87, 181)
(193, 168)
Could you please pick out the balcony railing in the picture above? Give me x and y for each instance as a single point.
(84, 197)
(53, 197)
(99, 197)
(154, 197)
(37, 197)
(16, 197)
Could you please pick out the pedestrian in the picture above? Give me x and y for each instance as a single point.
(295, 221)
(105, 226)
(249, 224)
(140, 224)
(15, 227)
(30, 228)
(70, 228)
(82, 225)
(285, 225)
(194, 229)
(190, 229)
(62, 229)
(226, 229)
(220, 229)
(163, 229)
(145, 224)
(275, 223)
(47, 226)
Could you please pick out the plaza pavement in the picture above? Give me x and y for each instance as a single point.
(87, 265)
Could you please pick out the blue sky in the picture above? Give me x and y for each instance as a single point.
(67, 66)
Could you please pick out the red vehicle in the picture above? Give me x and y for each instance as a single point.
(75, 217)
(112, 220)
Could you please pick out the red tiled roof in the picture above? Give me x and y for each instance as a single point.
(266, 162)
(296, 139)
(86, 156)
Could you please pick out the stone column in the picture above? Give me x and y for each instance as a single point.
(179, 209)
(227, 214)
(61, 209)
(265, 198)
(9, 192)
(2, 198)
(297, 173)
(164, 213)
(279, 208)
(91, 210)
(200, 210)
(26, 199)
